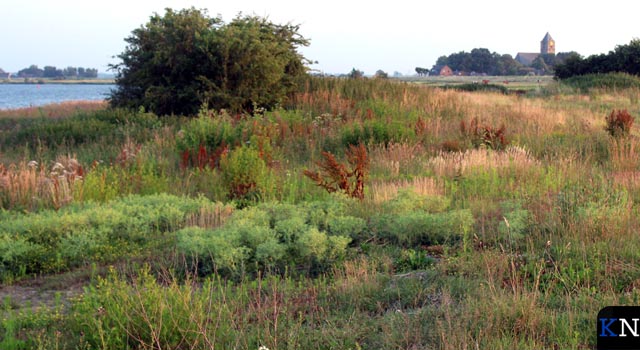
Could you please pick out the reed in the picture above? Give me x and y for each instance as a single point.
(29, 185)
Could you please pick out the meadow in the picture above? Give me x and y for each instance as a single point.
(362, 214)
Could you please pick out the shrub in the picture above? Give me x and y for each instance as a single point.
(619, 123)
(411, 219)
(269, 236)
(418, 227)
(52, 241)
(245, 175)
(408, 200)
(202, 141)
(179, 61)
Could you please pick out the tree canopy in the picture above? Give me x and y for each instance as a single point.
(479, 60)
(624, 59)
(179, 61)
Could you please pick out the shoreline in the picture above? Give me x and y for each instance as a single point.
(60, 82)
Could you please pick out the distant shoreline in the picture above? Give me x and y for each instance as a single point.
(59, 82)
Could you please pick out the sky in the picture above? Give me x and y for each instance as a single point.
(394, 36)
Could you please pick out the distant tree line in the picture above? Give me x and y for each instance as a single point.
(483, 61)
(624, 58)
(480, 61)
(52, 72)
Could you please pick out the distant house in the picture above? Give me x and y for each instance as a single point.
(547, 46)
(445, 71)
(4, 75)
(526, 58)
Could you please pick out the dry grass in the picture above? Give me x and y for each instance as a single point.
(624, 154)
(628, 179)
(30, 185)
(396, 158)
(383, 191)
(460, 163)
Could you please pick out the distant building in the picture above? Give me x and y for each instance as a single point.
(547, 46)
(526, 58)
(446, 71)
(4, 75)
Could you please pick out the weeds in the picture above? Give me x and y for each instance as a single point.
(335, 176)
(619, 123)
(527, 228)
(484, 135)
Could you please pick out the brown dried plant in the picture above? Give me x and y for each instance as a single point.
(334, 176)
(619, 123)
(484, 135)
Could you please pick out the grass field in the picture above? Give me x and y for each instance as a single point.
(428, 218)
(526, 83)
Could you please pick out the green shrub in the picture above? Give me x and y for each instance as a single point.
(211, 133)
(408, 200)
(346, 226)
(418, 228)
(183, 59)
(268, 236)
(245, 175)
(51, 241)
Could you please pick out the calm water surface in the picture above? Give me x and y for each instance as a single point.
(28, 95)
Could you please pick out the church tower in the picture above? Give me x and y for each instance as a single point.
(547, 45)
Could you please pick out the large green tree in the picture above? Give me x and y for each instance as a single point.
(179, 61)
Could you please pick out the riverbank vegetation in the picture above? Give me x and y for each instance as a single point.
(486, 220)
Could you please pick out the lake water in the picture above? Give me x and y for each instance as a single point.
(28, 95)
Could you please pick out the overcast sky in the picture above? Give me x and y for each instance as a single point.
(368, 35)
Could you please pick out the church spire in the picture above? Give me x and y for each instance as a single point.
(547, 45)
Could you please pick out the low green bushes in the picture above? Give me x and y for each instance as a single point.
(411, 220)
(53, 241)
(271, 236)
